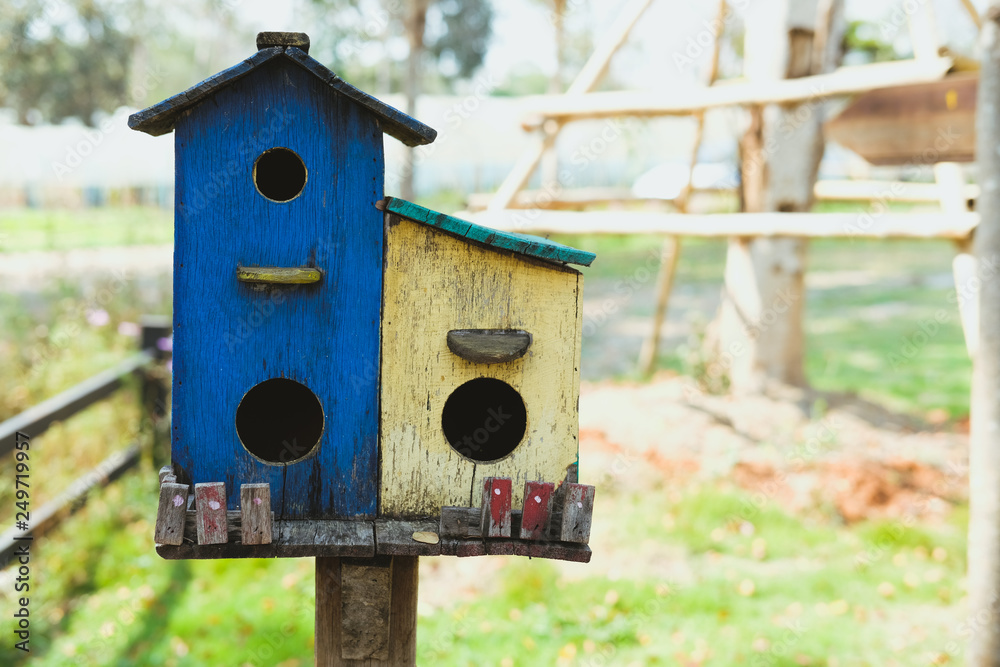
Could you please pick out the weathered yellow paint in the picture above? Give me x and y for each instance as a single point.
(279, 275)
(434, 283)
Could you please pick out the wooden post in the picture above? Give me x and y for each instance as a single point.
(984, 439)
(155, 388)
(584, 82)
(761, 316)
(366, 612)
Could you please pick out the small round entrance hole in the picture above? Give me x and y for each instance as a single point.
(279, 174)
(279, 421)
(484, 419)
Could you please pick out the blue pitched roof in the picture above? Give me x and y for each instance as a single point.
(160, 118)
(523, 244)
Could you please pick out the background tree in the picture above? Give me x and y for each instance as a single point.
(453, 34)
(60, 60)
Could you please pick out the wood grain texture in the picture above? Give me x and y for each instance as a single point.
(495, 516)
(461, 522)
(434, 283)
(290, 539)
(255, 513)
(402, 650)
(171, 513)
(364, 603)
(166, 470)
(210, 512)
(221, 221)
(532, 246)
(577, 513)
(296, 39)
(488, 346)
(395, 538)
(462, 548)
(537, 512)
(394, 122)
(278, 275)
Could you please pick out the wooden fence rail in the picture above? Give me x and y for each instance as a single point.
(35, 420)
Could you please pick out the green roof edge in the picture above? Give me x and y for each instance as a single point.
(523, 244)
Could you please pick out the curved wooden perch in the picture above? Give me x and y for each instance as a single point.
(489, 346)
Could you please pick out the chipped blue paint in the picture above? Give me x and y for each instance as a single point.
(228, 337)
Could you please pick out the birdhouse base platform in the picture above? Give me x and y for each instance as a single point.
(197, 526)
(362, 539)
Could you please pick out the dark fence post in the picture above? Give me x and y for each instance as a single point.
(156, 329)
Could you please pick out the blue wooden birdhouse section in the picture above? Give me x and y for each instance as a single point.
(355, 375)
(278, 282)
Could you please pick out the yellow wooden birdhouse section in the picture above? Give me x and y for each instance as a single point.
(452, 417)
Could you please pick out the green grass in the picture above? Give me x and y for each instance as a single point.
(866, 339)
(62, 229)
(818, 590)
(704, 574)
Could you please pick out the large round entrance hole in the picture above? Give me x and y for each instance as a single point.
(279, 174)
(279, 421)
(484, 419)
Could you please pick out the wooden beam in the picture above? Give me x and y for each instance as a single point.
(36, 419)
(366, 608)
(807, 225)
(890, 191)
(831, 190)
(669, 255)
(70, 500)
(973, 13)
(597, 63)
(584, 82)
(844, 81)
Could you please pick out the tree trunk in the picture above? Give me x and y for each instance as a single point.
(550, 161)
(984, 440)
(760, 321)
(416, 21)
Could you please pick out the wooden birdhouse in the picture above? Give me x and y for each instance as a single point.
(354, 374)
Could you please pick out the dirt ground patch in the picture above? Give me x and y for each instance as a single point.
(800, 447)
